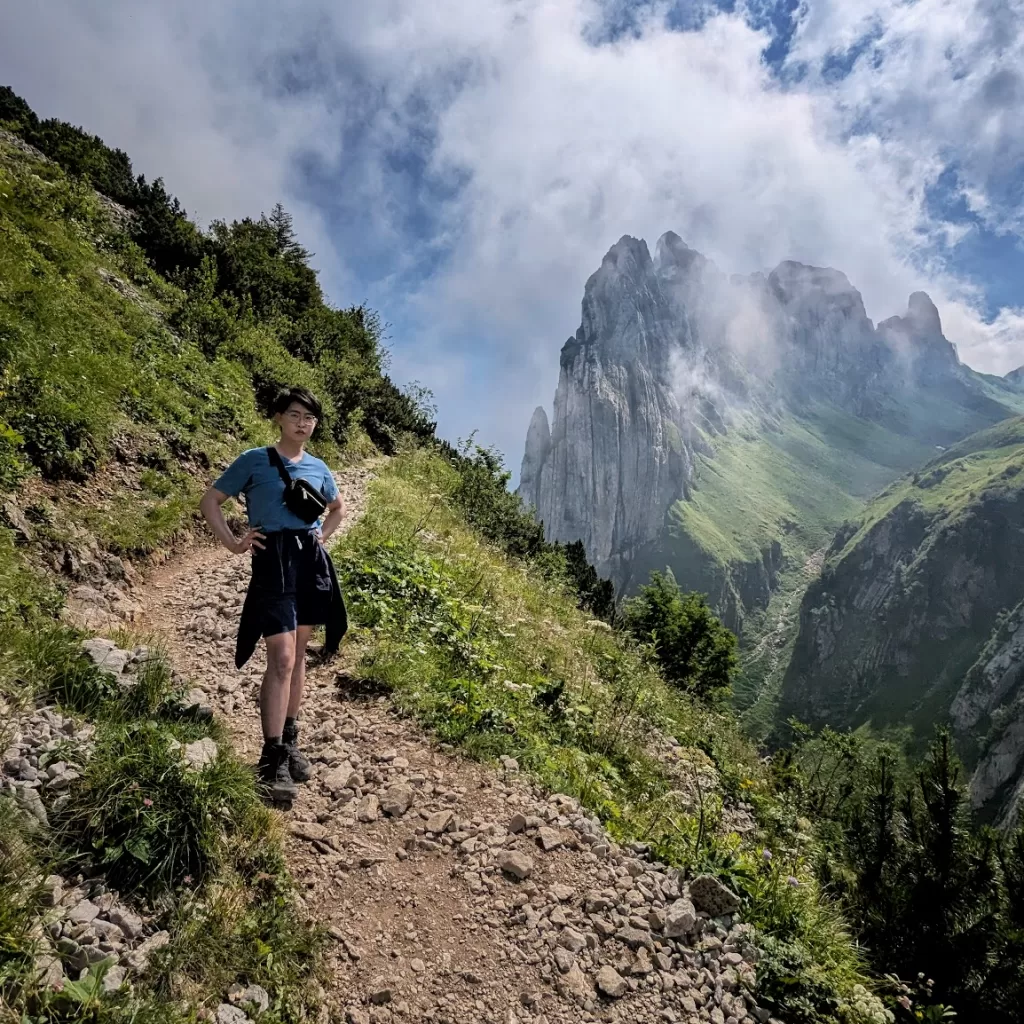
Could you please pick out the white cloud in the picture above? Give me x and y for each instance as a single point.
(547, 149)
(945, 77)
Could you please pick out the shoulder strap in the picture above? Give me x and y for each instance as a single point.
(275, 460)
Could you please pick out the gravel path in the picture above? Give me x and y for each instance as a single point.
(455, 891)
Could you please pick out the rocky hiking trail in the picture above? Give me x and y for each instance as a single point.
(453, 891)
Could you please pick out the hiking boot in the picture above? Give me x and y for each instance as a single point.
(298, 766)
(272, 772)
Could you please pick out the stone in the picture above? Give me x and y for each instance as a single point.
(572, 940)
(643, 965)
(62, 781)
(138, 959)
(440, 822)
(575, 986)
(107, 930)
(195, 698)
(611, 983)
(368, 808)
(32, 802)
(711, 896)
(200, 753)
(114, 978)
(635, 938)
(342, 777)
(397, 800)
(129, 923)
(517, 864)
(308, 830)
(562, 893)
(52, 891)
(517, 824)
(228, 1014)
(256, 998)
(49, 971)
(680, 919)
(83, 912)
(548, 839)
(563, 959)
(106, 655)
(380, 993)
(417, 966)
(510, 764)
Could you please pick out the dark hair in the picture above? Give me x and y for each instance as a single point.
(301, 395)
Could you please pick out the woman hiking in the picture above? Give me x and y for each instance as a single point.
(293, 588)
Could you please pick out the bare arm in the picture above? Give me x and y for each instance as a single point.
(210, 506)
(335, 513)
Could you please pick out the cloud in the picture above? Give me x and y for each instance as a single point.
(465, 164)
(944, 77)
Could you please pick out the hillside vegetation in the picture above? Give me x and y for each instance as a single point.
(137, 355)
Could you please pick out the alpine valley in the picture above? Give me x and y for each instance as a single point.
(848, 495)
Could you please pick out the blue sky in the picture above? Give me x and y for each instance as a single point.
(463, 165)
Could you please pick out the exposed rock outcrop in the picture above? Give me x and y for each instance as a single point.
(919, 618)
(672, 356)
(618, 455)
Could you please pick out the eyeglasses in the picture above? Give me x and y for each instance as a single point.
(305, 418)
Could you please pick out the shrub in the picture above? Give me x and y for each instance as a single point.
(150, 821)
(695, 651)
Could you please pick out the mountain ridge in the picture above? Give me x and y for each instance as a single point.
(726, 426)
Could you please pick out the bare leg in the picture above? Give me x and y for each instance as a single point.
(276, 681)
(298, 684)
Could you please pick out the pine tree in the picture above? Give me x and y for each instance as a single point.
(953, 897)
(287, 245)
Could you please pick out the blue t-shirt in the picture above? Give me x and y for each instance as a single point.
(253, 475)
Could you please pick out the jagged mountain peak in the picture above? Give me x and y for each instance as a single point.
(671, 253)
(917, 336)
(799, 286)
(923, 314)
(673, 357)
(625, 256)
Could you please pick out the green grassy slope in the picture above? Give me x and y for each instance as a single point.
(988, 461)
(493, 656)
(121, 394)
(912, 589)
(770, 500)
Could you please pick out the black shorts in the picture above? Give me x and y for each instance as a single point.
(291, 582)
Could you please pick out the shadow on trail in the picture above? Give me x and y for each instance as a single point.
(356, 688)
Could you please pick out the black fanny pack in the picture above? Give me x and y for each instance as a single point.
(301, 498)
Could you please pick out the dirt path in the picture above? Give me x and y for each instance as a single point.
(400, 849)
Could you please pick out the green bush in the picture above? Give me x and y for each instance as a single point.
(249, 933)
(695, 651)
(13, 467)
(150, 822)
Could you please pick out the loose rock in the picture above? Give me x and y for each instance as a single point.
(714, 898)
(611, 983)
(516, 864)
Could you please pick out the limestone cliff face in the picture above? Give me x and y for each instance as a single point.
(618, 454)
(988, 718)
(669, 355)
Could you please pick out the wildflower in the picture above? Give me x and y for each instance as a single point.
(766, 854)
(187, 880)
(147, 802)
(792, 881)
(904, 1002)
